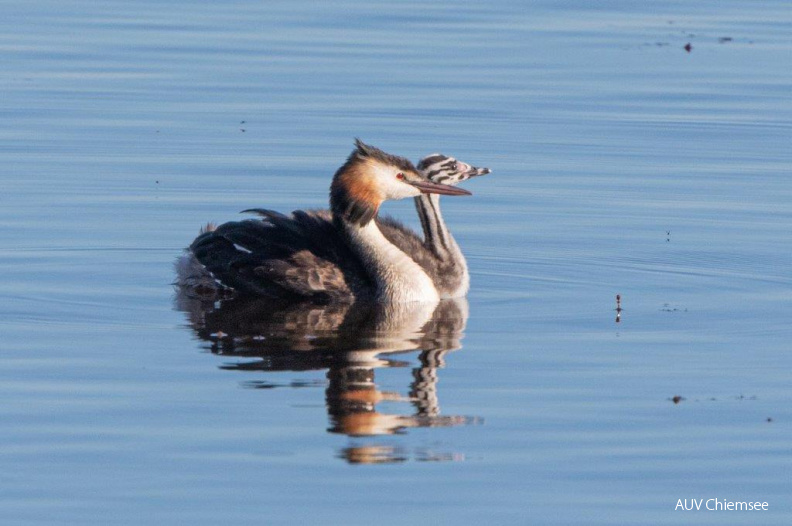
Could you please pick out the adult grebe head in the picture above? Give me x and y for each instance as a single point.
(371, 176)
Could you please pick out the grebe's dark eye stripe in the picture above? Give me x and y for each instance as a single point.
(451, 164)
(426, 162)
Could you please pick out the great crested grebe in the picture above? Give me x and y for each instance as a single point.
(342, 254)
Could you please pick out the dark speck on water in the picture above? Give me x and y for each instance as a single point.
(126, 404)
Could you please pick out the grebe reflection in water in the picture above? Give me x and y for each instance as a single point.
(349, 341)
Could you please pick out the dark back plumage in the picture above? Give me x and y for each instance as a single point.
(301, 255)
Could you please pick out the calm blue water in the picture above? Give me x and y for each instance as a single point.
(622, 164)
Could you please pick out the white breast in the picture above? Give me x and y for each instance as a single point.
(398, 277)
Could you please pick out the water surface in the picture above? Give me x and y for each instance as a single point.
(622, 164)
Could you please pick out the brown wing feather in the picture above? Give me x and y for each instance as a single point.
(301, 255)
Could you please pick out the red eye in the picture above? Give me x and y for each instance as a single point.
(399, 175)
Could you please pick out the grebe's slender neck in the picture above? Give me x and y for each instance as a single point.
(438, 239)
(397, 277)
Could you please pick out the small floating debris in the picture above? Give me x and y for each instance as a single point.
(723, 40)
(769, 419)
(688, 47)
(618, 308)
(676, 399)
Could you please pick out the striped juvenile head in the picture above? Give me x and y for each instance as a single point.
(443, 169)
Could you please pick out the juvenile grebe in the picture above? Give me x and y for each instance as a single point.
(340, 255)
(452, 270)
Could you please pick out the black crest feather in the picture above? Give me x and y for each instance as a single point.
(342, 204)
(363, 150)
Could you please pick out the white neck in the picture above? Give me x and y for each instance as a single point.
(439, 240)
(398, 278)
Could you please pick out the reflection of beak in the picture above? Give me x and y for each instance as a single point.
(434, 188)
